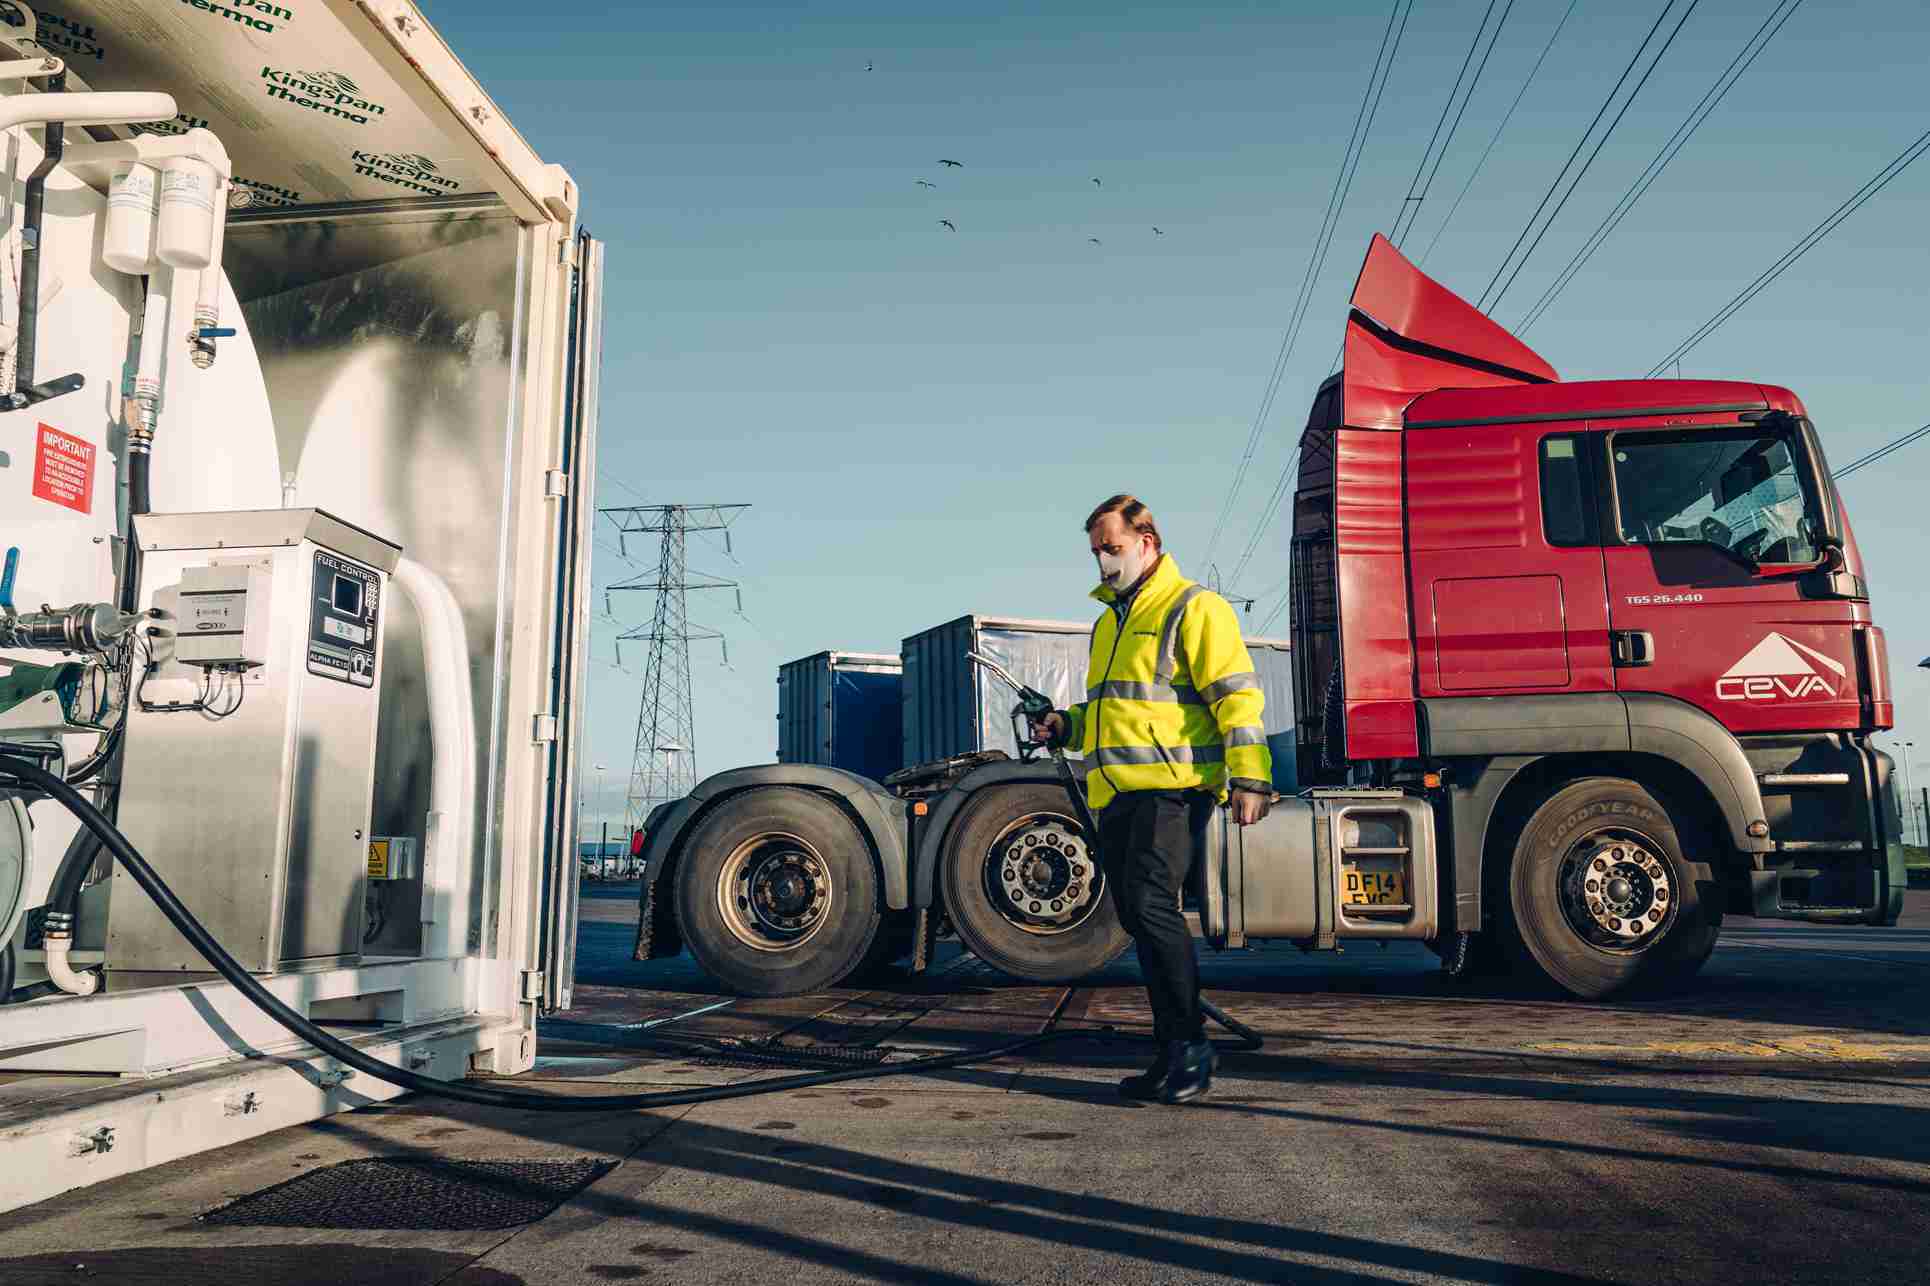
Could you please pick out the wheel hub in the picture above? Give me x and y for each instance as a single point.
(775, 892)
(1043, 875)
(1621, 890)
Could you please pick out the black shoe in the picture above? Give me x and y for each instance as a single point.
(1145, 1086)
(1191, 1072)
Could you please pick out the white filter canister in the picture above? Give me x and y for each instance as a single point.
(185, 231)
(127, 245)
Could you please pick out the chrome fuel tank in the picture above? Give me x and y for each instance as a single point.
(1321, 867)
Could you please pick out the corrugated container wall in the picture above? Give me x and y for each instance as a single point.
(952, 707)
(841, 709)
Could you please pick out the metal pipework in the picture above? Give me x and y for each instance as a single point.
(84, 627)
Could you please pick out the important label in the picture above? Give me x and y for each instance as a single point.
(342, 621)
(64, 469)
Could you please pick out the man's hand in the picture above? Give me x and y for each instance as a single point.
(1051, 728)
(1249, 806)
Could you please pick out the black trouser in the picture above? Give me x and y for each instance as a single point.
(1148, 844)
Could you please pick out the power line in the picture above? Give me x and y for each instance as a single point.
(1802, 247)
(1317, 258)
(1744, 59)
(1599, 144)
(1314, 266)
(1498, 130)
(1417, 190)
(1484, 304)
(1915, 435)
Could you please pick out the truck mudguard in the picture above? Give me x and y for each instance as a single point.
(931, 839)
(1489, 728)
(879, 813)
(1676, 730)
(1605, 722)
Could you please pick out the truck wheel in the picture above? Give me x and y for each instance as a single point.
(777, 893)
(1024, 888)
(1601, 897)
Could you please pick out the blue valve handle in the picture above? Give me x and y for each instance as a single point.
(6, 577)
(215, 332)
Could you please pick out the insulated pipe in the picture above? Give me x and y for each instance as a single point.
(446, 847)
(62, 974)
(84, 109)
(153, 365)
(207, 302)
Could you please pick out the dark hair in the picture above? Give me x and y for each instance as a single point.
(1136, 515)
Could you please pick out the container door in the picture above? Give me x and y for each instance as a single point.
(1713, 527)
(560, 878)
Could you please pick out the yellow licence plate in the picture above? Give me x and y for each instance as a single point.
(1373, 881)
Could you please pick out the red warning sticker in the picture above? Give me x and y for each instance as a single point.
(64, 469)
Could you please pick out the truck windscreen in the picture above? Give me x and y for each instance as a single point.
(1744, 490)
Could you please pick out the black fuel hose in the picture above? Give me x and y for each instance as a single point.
(246, 983)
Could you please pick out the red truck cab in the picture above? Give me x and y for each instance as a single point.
(1505, 585)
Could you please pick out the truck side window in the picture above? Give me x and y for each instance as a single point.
(1567, 514)
(1742, 490)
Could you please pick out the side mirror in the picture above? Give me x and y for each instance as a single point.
(1833, 558)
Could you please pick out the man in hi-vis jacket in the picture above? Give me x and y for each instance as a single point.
(1169, 729)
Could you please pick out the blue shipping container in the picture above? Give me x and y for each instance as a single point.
(841, 709)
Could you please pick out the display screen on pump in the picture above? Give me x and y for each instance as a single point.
(1745, 491)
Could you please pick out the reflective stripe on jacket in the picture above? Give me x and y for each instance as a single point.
(1172, 700)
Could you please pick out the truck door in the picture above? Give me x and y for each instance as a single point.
(1710, 525)
(1508, 582)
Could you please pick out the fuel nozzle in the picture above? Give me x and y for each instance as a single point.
(84, 627)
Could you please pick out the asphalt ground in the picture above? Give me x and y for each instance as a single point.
(1771, 1123)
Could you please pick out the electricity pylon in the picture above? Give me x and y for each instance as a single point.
(664, 765)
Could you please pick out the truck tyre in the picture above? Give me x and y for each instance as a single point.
(1600, 897)
(777, 893)
(1024, 889)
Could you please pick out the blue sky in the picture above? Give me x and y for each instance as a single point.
(920, 418)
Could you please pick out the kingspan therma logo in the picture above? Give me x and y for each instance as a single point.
(404, 169)
(1780, 669)
(178, 126)
(233, 12)
(328, 92)
(57, 33)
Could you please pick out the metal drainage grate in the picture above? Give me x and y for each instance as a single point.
(415, 1195)
(766, 1053)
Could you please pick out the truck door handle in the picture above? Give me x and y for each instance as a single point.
(1632, 648)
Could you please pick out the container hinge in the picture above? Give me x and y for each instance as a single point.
(532, 984)
(544, 729)
(556, 484)
(566, 252)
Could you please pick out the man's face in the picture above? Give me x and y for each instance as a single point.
(1122, 553)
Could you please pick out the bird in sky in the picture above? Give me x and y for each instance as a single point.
(1095, 241)
(925, 183)
(1158, 233)
(1096, 183)
(948, 223)
(956, 165)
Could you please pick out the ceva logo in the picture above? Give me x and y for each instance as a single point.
(1779, 669)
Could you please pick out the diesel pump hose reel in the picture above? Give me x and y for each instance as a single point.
(35, 778)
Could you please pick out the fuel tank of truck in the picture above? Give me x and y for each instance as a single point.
(1320, 867)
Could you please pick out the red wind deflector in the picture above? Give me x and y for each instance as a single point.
(1407, 334)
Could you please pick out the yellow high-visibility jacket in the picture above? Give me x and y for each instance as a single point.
(1172, 701)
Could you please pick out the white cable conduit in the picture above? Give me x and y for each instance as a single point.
(447, 842)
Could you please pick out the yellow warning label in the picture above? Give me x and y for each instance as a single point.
(378, 859)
